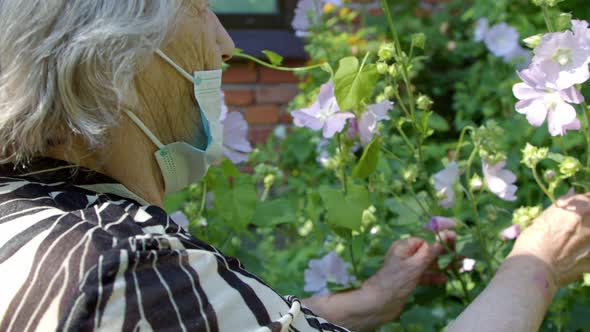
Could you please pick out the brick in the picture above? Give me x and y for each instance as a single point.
(239, 97)
(376, 11)
(276, 95)
(262, 114)
(268, 75)
(240, 73)
(259, 135)
(285, 117)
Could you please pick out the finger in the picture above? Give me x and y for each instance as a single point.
(448, 238)
(579, 204)
(423, 257)
(407, 247)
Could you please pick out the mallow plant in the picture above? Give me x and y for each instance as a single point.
(373, 155)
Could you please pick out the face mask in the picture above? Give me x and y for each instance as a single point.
(181, 163)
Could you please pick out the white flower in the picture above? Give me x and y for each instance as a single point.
(330, 268)
(467, 265)
(501, 39)
(481, 29)
(563, 60)
(444, 181)
(235, 135)
(280, 132)
(581, 32)
(500, 181)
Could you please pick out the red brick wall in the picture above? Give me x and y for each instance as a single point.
(261, 94)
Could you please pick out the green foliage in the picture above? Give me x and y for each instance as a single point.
(338, 195)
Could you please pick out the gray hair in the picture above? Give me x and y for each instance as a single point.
(65, 65)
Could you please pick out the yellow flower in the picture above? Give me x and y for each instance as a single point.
(344, 11)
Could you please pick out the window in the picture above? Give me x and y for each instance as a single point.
(251, 14)
(257, 25)
(265, 7)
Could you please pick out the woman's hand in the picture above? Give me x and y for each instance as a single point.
(560, 238)
(382, 297)
(409, 262)
(551, 253)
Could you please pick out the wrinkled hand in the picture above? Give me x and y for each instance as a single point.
(409, 262)
(560, 238)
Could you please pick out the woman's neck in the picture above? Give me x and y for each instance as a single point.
(127, 156)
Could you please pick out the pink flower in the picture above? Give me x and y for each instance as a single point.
(563, 60)
(324, 114)
(328, 269)
(235, 135)
(366, 127)
(500, 181)
(444, 182)
(538, 102)
(510, 233)
(437, 224)
(581, 32)
(481, 29)
(501, 39)
(467, 265)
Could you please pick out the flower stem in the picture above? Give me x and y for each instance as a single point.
(343, 177)
(352, 258)
(548, 20)
(281, 68)
(454, 270)
(203, 198)
(587, 116)
(542, 185)
(460, 143)
(483, 241)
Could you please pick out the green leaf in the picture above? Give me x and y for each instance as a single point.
(345, 210)
(368, 162)
(235, 200)
(273, 57)
(438, 123)
(272, 213)
(174, 202)
(353, 84)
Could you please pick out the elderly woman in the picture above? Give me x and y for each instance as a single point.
(100, 116)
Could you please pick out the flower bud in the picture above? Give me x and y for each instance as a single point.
(389, 91)
(524, 216)
(382, 67)
(533, 41)
(476, 183)
(532, 155)
(424, 102)
(269, 180)
(549, 175)
(368, 216)
(410, 173)
(394, 71)
(510, 233)
(343, 12)
(419, 40)
(438, 223)
(570, 166)
(564, 21)
(306, 228)
(386, 52)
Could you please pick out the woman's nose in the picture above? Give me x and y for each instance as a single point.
(225, 42)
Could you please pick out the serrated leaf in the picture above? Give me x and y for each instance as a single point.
(368, 162)
(352, 84)
(274, 58)
(345, 210)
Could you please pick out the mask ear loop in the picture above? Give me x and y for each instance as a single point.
(173, 64)
(148, 133)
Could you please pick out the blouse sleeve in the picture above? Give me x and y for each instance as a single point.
(182, 290)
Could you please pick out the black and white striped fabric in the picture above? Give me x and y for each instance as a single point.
(80, 252)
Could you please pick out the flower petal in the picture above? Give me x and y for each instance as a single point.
(336, 123)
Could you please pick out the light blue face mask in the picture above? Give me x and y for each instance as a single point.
(182, 163)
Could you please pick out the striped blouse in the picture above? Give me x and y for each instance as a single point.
(78, 251)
